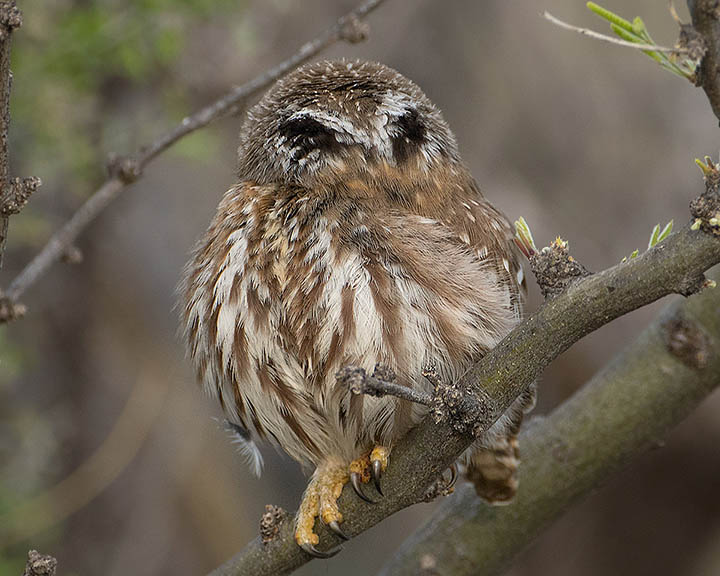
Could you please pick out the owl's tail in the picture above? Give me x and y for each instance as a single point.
(245, 444)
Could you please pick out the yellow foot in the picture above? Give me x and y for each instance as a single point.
(369, 467)
(320, 499)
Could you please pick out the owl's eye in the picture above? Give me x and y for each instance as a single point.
(409, 136)
(306, 134)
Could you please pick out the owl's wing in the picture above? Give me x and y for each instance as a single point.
(489, 233)
(484, 230)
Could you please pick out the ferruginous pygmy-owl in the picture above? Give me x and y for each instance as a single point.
(354, 235)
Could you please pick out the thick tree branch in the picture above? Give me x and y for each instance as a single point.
(124, 171)
(706, 21)
(676, 265)
(623, 411)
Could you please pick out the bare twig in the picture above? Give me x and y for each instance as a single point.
(126, 170)
(10, 19)
(706, 21)
(610, 39)
(359, 382)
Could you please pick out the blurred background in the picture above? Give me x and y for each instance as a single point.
(111, 458)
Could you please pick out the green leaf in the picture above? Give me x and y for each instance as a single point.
(637, 33)
(654, 236)
(658, 235)
(627, 35)
(666, 231)
(638, 27)
(524, 238)
(610, 16)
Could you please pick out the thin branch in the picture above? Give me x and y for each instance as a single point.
(126, 170)
(625, 410)
(610, 39)
(10, 19)
(359, 382)
(706, 22)
(675, 265)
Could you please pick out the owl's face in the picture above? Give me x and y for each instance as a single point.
(329, 117)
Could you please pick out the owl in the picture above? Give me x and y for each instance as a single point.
(354, 235)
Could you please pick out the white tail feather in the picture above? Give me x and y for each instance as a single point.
(242, 439)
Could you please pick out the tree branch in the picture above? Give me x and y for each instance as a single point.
(706, 21)
(125, 170)
(609, 39)
(621, 412)
(675, 265)
(10, 19)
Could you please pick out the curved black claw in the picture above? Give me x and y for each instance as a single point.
(357, 486)
(335, 527)
(377, 474)
(453, 477)
(314, 552)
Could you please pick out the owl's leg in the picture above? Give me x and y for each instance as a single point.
(492, 468)
(369, 467)
(492, 462)
(320, 499)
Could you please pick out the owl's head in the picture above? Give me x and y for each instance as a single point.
(327, 117)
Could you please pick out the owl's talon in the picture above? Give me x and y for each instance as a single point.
(379, 458)
(314, 552)
(335, 527)
(377, 470)
(453, 477)
(357, 486)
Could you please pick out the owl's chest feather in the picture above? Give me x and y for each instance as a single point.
(393, 290)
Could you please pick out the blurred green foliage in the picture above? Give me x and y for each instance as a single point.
(90, 77)
(73, 59)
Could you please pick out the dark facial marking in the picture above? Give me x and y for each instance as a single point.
(411, 134)
(307, 134)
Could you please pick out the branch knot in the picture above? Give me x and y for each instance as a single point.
(705, 209)
(271, 521)
(10, 18)
(693, 45)
(354, 30)
(125, 168)
(687, 341)
(10, 310)
(18, 193)
(453, 403)
(555, 269)
(40, 564)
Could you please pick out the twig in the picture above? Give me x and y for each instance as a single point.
(610, 39)
(10, 19)
(359, 382)
(650, 388)
(675, 265)
(126, 170)
(706, 21)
